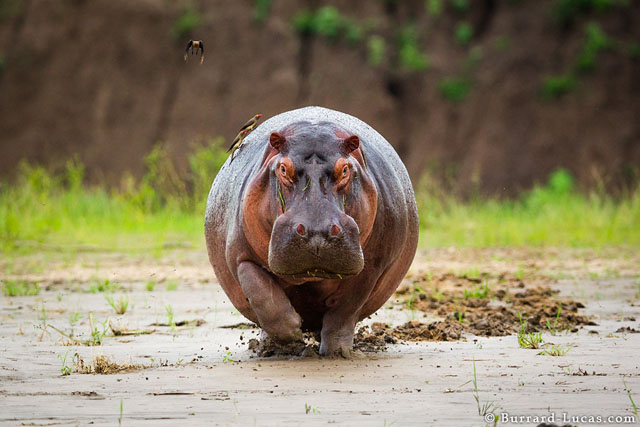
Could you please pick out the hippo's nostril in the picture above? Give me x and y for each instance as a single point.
(335, 230)
(301, 230)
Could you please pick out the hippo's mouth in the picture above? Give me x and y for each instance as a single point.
(318, 274)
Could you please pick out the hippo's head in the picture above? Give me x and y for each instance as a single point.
(318, 200)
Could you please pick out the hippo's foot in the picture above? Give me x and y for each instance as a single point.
(337, 346)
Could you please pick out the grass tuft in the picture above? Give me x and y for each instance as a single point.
(556, 351)
(19, 288)
(120, 306)
(58, 211)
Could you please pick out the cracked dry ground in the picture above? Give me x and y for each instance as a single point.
(181, 352)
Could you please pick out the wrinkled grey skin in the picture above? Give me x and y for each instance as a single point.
(331, 305)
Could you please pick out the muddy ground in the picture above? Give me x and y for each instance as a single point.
(181, 353)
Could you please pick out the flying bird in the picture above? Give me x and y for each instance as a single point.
(196, 47)
(244, 131)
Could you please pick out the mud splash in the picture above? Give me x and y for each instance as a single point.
(483, 306)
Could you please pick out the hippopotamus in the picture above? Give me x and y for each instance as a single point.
(312, 226)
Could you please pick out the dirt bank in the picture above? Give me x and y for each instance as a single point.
(106, 80)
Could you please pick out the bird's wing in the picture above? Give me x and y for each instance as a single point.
(232, 144)
(235, 141)
(246, 125)
(202, 47)
(189, 45)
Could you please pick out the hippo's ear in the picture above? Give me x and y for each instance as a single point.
(277, 141)
(350, 144)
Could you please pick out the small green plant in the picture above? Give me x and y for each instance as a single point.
(172, 285)
(595, 42)
(633, 404)
(227, 358)
(328, 22)
(103, 286)
(186, 24)
(556, 351)
(530, 340)
(409, 55)
(64, 370)
(19, 288)
(150, 286)
(170, 320)
(121, 409)
(486, 407)
(479, 292)
(74, 318)
(416, 293)
(553, 328)
(120, 306)
(556, 86)
(464, 33)
(434, 7)
(42, 314)
(304, 22)
(97, 336)
(460, 6)
(376, 46)
(308, 409)
(354, 33)
(261, 10)
(454, 89)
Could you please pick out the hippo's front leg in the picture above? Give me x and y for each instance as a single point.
(271, 305)
(337, 332)
(340, 319)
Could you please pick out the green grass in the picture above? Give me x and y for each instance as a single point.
(530, 340)
(551, 215)
(479, 292)
(103, 286)
(19, 288)
(464, 33)
(120, 306)
(454, 89)
(42, 211)
(56, 211)
(555, 86)
(410, 56)
(555, 351)
(65, 369)
(376, 47)
(261, 10)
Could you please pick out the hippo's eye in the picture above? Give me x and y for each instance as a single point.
(283, 170)
(345, 171)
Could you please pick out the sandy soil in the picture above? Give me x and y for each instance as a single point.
(204, 372)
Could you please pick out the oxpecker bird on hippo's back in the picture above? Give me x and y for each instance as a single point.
(312, 227)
